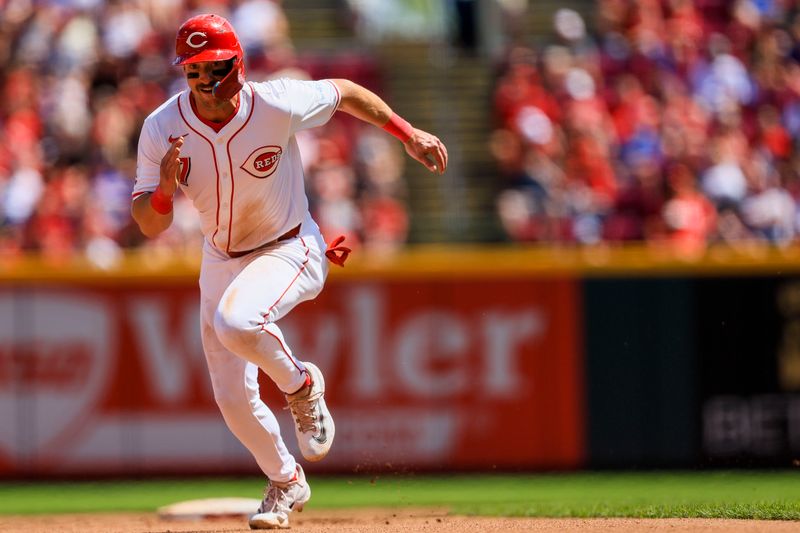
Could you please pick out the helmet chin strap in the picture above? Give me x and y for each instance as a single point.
(231, 84)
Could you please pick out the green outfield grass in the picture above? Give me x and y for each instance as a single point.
(764, 495)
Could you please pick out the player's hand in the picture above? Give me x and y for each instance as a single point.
(170, 168)
(428, 150)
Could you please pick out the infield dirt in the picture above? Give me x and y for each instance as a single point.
(382, 521)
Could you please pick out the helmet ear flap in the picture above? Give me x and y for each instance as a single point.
(231, 84)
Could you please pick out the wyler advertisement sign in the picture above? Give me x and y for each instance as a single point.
(450, 374)
(420, 374)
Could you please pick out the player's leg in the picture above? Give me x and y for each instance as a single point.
(269, 285)
(235, 383)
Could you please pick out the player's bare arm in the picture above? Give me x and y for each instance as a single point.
(145, 209)
(369, 107)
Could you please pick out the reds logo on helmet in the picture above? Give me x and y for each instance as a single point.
(191, 43)
(263, 162)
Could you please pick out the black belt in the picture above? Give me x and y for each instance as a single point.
(292, 233)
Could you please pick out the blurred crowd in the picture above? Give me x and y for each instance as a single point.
(78, 79)
(671, 121)
(658, 120)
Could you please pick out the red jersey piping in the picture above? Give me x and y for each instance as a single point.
(230, 163)
(338, 97)
(214, 155)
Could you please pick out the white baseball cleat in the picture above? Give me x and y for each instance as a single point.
(313, 423)
(280, 499)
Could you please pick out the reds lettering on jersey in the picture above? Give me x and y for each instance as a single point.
(246, 180)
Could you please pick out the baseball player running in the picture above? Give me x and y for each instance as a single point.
(230, 146)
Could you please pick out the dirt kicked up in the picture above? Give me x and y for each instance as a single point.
(382, 521)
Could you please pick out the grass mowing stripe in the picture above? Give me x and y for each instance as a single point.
(773, 495)
(133, 495)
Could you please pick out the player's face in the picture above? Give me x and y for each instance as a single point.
(201, 78)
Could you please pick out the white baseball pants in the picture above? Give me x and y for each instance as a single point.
(241, 299)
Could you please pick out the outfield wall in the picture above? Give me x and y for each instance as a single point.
(440, 359)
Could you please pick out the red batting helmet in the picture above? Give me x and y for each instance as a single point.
(211, 38)
(206, 38)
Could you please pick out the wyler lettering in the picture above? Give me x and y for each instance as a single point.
(263, 162)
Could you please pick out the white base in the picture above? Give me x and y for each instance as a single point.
(209, 507)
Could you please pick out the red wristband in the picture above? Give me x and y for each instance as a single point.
(161, 202)
(399, 128)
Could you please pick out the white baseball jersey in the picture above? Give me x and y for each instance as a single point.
(246, 180)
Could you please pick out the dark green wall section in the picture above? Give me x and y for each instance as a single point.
(642, 371)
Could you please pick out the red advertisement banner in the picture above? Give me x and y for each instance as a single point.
(460, 374)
